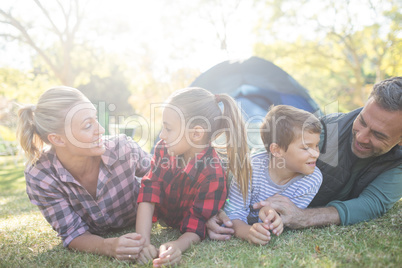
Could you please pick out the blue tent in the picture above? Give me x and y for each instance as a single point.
(256, 84)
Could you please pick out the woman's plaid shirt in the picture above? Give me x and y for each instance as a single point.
(70, 209)
(185, 197)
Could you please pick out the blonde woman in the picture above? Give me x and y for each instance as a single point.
(83, 183)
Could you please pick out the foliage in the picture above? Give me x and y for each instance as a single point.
(342, 57)
(27, 240)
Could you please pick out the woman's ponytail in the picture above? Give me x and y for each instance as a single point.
(30, 142)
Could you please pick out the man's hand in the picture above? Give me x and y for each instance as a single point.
(271, 220)
(218, 232)
(297, 218)
(291, 215)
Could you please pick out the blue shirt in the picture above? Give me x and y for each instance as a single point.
(300, 190)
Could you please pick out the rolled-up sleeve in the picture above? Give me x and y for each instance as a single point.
(378, 197)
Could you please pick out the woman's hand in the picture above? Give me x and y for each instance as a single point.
(128, 246)
(169, 254)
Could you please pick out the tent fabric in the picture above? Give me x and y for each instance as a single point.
(256, 84)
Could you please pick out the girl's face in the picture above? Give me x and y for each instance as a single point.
(301, 155)
(83, 133)
(175, 134)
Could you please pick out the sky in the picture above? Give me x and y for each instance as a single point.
(154, 27)
(151, 23)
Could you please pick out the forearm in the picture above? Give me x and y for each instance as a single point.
(93, 244)
(241, 229)
(144, 220)
(313, 217)
(186, 240)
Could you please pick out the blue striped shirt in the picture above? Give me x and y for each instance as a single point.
(300, 190)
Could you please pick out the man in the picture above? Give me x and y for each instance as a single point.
(361, 162)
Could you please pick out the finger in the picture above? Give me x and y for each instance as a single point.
(164, 251)
(275, 222)
(224, 218)
(142, 259)
(133, 236)
(259, 205)
(278, 230)
(270, 216)
(148, 254)
(170, 259)
(219, 237)
(258, 238)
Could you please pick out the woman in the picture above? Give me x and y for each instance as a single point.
(84, 184)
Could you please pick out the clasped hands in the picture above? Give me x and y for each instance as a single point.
(168, 254)
(260, 232)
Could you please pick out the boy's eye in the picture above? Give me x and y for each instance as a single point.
(87, 126)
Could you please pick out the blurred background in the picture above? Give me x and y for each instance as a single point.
(127, 55)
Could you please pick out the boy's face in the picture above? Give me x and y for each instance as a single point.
(302, 153)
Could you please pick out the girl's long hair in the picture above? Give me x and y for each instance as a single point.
(201, 107)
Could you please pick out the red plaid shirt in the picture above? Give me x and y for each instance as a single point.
(185, 197)
(68, 206)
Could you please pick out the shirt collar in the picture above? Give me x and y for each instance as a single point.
(199, 162)
(109, 157)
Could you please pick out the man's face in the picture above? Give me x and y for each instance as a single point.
(376, 131)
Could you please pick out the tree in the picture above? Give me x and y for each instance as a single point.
(58, 57)
(344, 46)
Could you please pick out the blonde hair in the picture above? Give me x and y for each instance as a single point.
(36, 122)
(201, 107)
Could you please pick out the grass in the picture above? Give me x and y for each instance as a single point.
(27, 240)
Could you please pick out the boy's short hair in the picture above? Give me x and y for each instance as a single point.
(284, 123)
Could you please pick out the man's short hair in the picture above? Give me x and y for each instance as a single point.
(388, 94)
(284, 123)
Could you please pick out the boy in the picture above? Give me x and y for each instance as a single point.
(286, 167)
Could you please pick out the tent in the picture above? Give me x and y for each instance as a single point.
(256, 84)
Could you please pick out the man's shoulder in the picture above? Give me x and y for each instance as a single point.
(333, 117)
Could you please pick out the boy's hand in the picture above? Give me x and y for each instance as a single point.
(169, 254)
(147, 254)
(271, 220)
(259, 234)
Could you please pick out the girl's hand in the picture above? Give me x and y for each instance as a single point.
(218, 232)
(147, 254)
(169, 254)
(259, 234)
(271, 220)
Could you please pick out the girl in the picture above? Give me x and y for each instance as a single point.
(187, 184)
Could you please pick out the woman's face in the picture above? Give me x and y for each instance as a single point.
(83, 133)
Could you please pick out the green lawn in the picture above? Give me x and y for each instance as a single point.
(27, 240)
